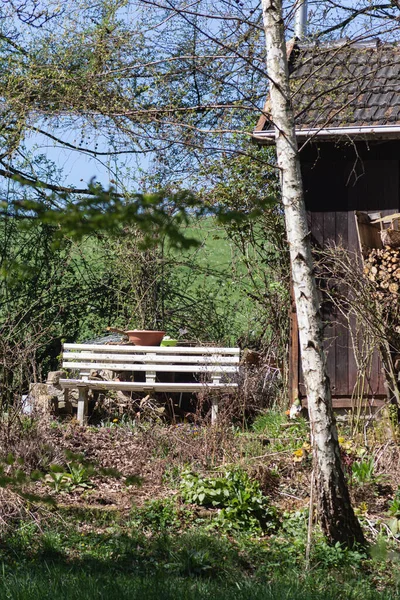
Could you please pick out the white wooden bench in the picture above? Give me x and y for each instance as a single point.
(209, 364)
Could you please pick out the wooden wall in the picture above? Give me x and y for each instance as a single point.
(337, 181)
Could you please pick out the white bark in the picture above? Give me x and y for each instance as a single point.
(335, 511)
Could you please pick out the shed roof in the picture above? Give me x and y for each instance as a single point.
(342, 89)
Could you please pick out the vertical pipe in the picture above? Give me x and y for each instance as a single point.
(300, 19)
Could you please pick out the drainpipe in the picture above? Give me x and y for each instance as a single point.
(300, 19)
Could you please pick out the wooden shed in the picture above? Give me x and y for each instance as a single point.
(346, 99)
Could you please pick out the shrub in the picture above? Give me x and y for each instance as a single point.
(241, 504)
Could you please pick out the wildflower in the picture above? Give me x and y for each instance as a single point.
(115, 420)
(298, 455)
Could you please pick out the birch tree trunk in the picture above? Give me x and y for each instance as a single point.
(334, 508)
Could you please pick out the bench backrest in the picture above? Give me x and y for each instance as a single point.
(152, 359)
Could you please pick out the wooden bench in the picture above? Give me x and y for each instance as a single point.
(209, 364)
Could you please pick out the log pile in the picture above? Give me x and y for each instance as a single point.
(382, 267)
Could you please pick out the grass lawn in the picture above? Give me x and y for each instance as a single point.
(162, 567)
(53, 583)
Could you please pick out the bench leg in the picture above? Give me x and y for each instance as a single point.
(214, 411)
(67, 402)
(82, 405)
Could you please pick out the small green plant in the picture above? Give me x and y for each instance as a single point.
(191, 562)
(241, 503)
(362, 472)
(335, 556)
(50, 545)
(56, 478)
(157, 515)
(394, 505)
(171, 476)
(394, 512)
(78, 476)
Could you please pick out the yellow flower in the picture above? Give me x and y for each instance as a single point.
(341, 440)
(298, 455)
(362, 509)
(115, 420)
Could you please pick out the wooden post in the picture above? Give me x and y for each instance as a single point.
(216, 378)
(151, 375)
(294, 365)
(214, 411)
(82, 405)
(368, 232)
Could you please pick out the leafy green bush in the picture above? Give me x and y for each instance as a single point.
(335, 556)
(240, 501)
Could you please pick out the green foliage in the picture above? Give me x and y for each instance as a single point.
(247, 182)
(270, 423)
(206, 289)
(47, 293)
(239, 500)
(394, 511)
(57, 480)
(55, 582)
(394, 505)
(192, 564)
(104, 211)
(362, 471)
(282, 434)
(336, 556)
(77, 476)
(158, 515)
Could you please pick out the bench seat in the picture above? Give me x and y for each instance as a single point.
(209, 363)
(131, 386)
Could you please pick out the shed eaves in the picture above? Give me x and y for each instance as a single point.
(343, 86)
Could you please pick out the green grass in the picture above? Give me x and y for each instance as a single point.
(215, 274)
(62, 561)
(55, 583)
(282, 433)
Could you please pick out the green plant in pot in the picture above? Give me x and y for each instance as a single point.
(167, 341)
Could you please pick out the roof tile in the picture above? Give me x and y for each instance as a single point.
(346, 86)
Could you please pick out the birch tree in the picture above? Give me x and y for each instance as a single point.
(336, 514)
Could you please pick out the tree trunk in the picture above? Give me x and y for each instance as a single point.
(335, 511)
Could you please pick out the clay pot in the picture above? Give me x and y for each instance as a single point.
(145, 337)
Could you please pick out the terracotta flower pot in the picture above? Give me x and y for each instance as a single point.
(145, 337)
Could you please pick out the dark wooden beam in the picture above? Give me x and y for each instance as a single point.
(294, 364)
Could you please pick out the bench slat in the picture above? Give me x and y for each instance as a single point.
(153, 349)
(96, 366)
(170, 359)
(129, 386)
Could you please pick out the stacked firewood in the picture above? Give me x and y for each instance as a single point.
(382, 267)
